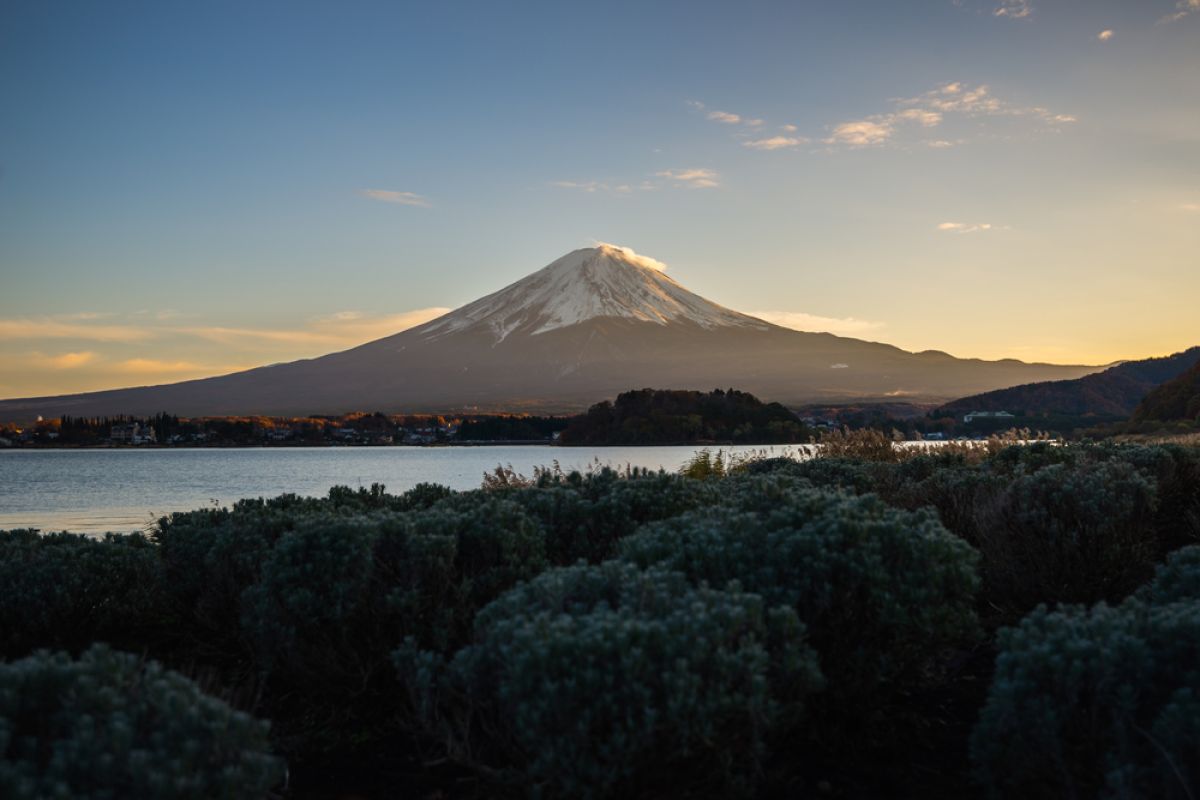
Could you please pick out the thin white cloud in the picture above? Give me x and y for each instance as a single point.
(399, 198)
(694, 178)
(1014, 9)
(863, 133)
(929, 111)
(788, 128)
(585, 186)
(343, 329)
(967, 227)
(1183, 8)
(724, 116)
(923, 117)
(69, 360)
(775, 143)
(754, 123)
(1105, 35)
(1193, 208)
(801, 321)
(695, 104)
(70, 326)
(629, 253)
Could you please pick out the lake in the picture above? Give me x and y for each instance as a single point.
(93, 491)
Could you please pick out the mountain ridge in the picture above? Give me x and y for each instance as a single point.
(1114, 392)
(588, 326)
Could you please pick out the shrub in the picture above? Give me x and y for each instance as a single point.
(597, 680)
(66, 591)
(585, 517)
(879, 589)
(1175, 471)
(304, 615)
(1177, 580)
(1067, 534)
(438, 567)
(109, 726)
(1095, 703)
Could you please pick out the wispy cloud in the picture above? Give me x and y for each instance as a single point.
(1183, 8)
(694, 178)
(172, 369)
(1193, 208)
(869, 132)
(646, 261)
(801, 321)
(613, 187)
(1014, 9)
(343, 329)
(724, 116)
(967, 227)
(70, 326)
(928, 111)
(775, 142)
(586, 186)
(69, 360)
(1105, 35)
(399, 198)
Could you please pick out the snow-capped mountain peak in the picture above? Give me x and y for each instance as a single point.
(601, 281)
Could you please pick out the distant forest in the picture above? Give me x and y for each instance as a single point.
(656, 416)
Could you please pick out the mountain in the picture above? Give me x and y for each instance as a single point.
(1115, 392)
(593, 323)
(1177, 399)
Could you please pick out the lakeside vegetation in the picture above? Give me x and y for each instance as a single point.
(1012, 621)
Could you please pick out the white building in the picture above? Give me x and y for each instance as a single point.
(999, 416)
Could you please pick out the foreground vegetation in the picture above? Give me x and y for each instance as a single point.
(1008, 621)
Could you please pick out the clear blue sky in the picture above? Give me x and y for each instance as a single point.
(188, 188)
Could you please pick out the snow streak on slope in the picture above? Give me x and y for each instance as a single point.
(601, 281)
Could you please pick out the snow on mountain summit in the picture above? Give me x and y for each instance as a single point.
(601, 281)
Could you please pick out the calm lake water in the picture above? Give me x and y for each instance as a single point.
(93, 491)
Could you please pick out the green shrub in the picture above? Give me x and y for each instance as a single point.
(66, 591)
(1175, 581)
(1100, 703)
(584, 517)
(1175, 471)
(880, 590)
(1067, 534)
(304, 615)
(110, 726)
(438, 567)
(596, 680)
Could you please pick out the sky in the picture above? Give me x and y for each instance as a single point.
(188, 189)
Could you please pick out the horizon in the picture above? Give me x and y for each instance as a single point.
(189, 192)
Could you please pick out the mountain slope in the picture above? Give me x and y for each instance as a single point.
(1114, 392)
(1177, 399)
(588, 326)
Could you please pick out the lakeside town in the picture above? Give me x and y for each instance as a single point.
(377, 429)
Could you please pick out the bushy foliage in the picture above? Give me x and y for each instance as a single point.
(108, 726)
(601, 679)
(66, 591)
(438, 567)
(1099, 703)
(880, 589)
(1177, 580)
(1068, 534)
(585, 516)
(303, 617)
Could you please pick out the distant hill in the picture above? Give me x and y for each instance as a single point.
(650, 416)
(1177, 399)
(1113, 393)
